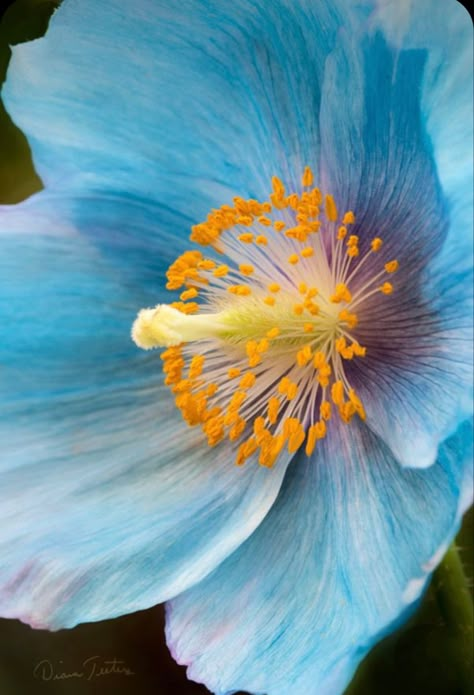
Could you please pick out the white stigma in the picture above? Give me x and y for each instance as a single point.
(165, 326)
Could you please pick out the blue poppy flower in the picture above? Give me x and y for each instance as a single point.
(348, 124)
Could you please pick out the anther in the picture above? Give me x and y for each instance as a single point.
(386, 288)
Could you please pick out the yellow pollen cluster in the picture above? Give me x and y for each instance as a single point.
(265, 360)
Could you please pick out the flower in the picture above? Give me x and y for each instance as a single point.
(279, 577)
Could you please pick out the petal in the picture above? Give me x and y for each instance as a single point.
(444, 33)
(376, 157)
(393, 104)
(109, 503)
(216, 100)
(340, 559)
(416, 382)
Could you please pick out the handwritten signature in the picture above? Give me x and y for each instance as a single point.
(92, 667)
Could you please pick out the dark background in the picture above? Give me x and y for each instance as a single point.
(414, 661)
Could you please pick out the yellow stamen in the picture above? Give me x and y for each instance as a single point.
(207, 264)
(307, 179)
(337, 392)
(325, 410)
(357, 403)
(296, 439)
(319, 359)
(246, 450)
(189, 294)
(303, 356)
(341, 294)
(391, 267)
(241, 325)
(278, 187)
(311, 440)
(189, 308)
(221, 271)
(237, 429)
(246, 238)
(241, 290)
(350, 319)
(330, 208)
(341, 233)
(273, 408)
(246, 268)
(358, 349)
(245, 220)
(273, 332)
(196, 367)
(247, 381)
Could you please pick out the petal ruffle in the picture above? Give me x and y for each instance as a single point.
(110, 503)
(343, 556)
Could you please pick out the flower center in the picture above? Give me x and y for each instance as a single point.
(262, 361)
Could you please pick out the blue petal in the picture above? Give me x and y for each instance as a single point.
(392, 106)
(376, 157)
(109, 502)
(341, 558)
(188, 103)
(416, 384)
(443, 32)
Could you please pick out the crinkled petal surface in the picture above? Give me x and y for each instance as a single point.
(343, 554)
(109, 503)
